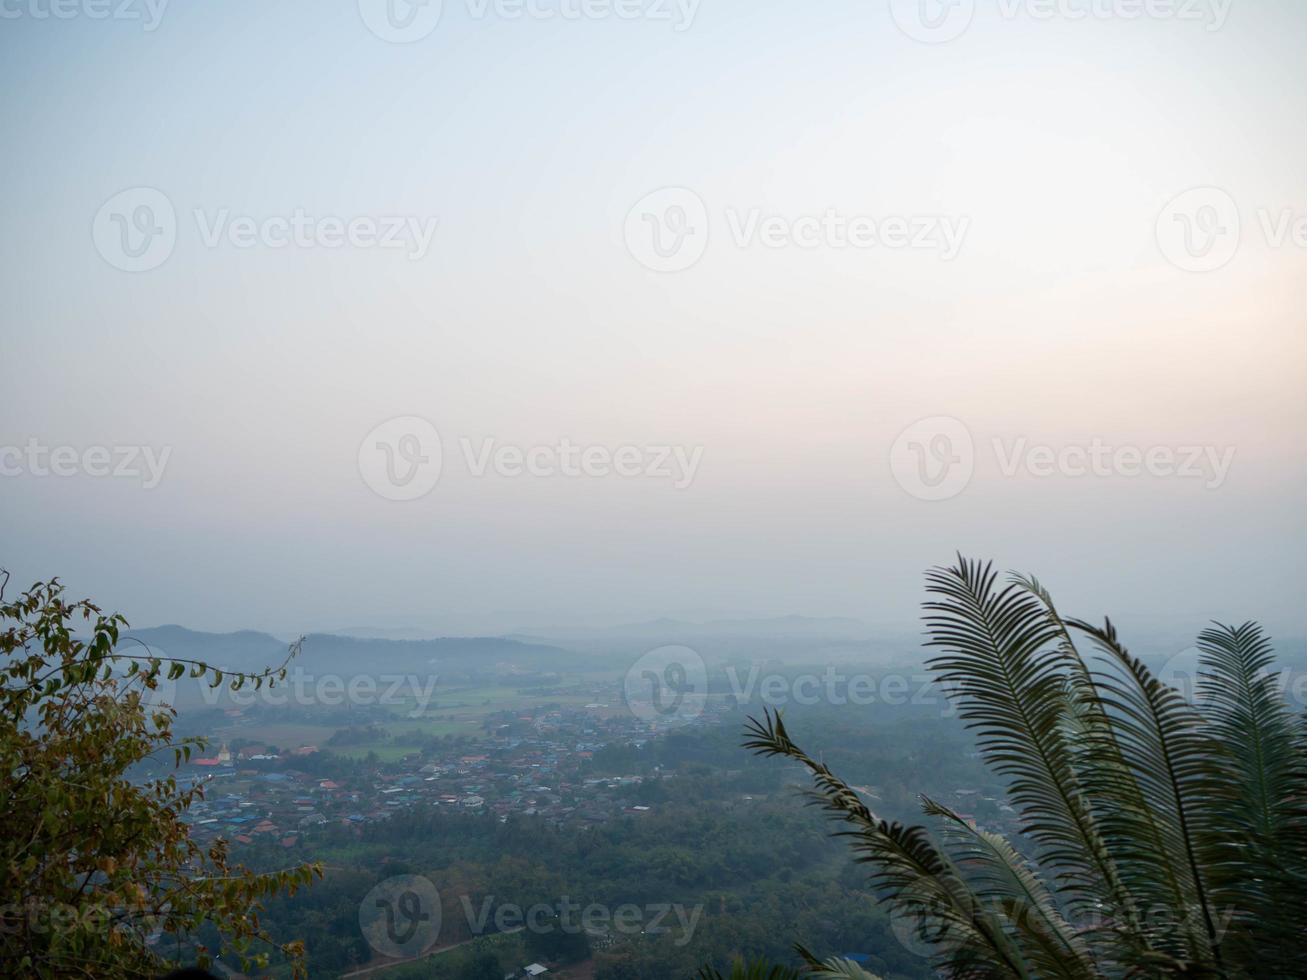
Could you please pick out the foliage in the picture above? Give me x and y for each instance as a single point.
(744, 874)
(1167, 833)
(835, 967)
(484, 966)
(557, 944)
(100, 875)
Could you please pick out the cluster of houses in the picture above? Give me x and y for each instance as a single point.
(536, 763)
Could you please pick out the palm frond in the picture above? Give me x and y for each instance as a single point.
(1238, 694)
(836, 967)
(908, 870)
(1000, 877)
(1176, 766)
(1169, 837)
(753, 970)
(1011, 664)
(1106, 781)
(1263, 840)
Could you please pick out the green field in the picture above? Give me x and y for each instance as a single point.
(457, 711)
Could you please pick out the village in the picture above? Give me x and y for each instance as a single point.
(536, 762)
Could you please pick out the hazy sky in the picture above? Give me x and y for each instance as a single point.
(864, 229)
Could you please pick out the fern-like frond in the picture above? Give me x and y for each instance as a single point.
(1169, 837)
(1159, 842)
(1011, 667)
(1238, 694)
(835, 966)
(1261, 847)
(754, 970)
(1000, 877)
(908, 870)
(1099, 764)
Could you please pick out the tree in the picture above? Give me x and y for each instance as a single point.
(1168, 835)
(760, 970)
(99, 871)
(483, 965)
(558, 942)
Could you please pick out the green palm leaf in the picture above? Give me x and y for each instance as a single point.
(1160, 846)
(1107, 782)
(1000, 878)
(1173, 835)
(1238, 694)
(1010, 663)
(908, 870)
(755, 970)
(835, 967)
(1263, 871)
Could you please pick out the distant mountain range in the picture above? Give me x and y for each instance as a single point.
(248, 650)
(534, 626)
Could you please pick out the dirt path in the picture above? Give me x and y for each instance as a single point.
(369, 970)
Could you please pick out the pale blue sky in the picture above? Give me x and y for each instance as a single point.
(528, 320)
